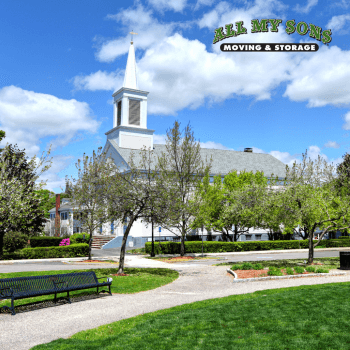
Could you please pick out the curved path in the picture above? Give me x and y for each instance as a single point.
(196, 282)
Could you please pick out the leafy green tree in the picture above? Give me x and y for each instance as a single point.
(19, 204)
(184, 169)
(232, 206)
(88, 191)
(311, 201)
(140, 193)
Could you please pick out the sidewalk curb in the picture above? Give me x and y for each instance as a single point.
(31, 261)
(239, 280)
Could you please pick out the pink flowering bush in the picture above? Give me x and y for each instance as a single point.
(65, 241)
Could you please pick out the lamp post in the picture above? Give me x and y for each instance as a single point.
(152, 251)
(202, 240)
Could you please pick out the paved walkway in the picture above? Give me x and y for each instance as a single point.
(196, 282)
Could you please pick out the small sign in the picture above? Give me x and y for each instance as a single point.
(160, 229)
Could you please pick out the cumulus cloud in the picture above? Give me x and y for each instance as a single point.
(338, 22)
(346, 126)
(99, 81)
(285, 157)
(174, 5)
(159, 139)
(201, 3)
(214, 145)
(149, 30)
(306, 9)
(27, 116)
(332, 144)
(322, 84)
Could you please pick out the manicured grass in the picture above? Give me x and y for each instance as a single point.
(328, 263)
(139, 280)
(306, 317)
(140, 251)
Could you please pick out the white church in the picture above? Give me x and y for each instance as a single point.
(130, 133)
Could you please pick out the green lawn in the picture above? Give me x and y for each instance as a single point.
(306, 317)
(139, 280)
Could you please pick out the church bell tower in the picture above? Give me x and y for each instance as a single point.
(130, 111)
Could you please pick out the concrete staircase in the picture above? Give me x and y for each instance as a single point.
(99, 241)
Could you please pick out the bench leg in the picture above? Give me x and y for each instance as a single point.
(68, 297)
(110, 290)
(55, 298)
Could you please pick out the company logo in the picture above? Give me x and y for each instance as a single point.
(302, 28)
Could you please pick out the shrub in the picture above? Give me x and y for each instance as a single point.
(79, 238)
(257, 266)
(299, 269)
(64, 242)
(289, 271)
(322, 270)
(273, 271)
(14, 241)
(236, 267)
(45, 241)
(310, 268)
(221, 247)
(71, 251)
(247, 266)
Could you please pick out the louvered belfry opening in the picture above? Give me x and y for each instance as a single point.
(134, 112)
(119, 113)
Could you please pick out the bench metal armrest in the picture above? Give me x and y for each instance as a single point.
(6, 288)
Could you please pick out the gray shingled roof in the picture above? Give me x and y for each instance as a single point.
(223, 160)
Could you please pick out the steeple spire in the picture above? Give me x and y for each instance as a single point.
(130, 79)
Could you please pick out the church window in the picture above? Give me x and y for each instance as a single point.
(134, 112)
(119, 113)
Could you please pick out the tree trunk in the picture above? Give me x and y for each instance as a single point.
(123, 247)
(235, 236)
(311, 250)
(1, 245)
(182, 248)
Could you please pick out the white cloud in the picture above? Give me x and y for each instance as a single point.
(51, 177)
(175, 5)
(346, 126)
(322, 79)
(201, 3)
(306, 9)
(285, 157)
(159, 139)
(99, 81)
(142, 21)
(338, 22)
(26, 116)
(332, 144)
(214, 145)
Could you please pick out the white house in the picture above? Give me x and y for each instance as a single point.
(130, 133)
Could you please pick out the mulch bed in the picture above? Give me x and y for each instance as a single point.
(241, 274)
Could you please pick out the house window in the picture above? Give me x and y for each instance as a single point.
(248, 237)
(119, 113)
(52, 216)
(134, 112)
(76, 229)
(258, 237)
(64, 215)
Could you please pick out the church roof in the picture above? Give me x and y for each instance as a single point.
(224, 161)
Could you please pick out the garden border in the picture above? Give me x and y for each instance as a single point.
(238, 280)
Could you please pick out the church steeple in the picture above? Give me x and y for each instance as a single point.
(130, 79)
(130, 110)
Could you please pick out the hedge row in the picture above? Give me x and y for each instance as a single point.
(69, 251)
(221, 247)
(45, 241)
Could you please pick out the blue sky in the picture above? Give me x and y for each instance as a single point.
(60, 62)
